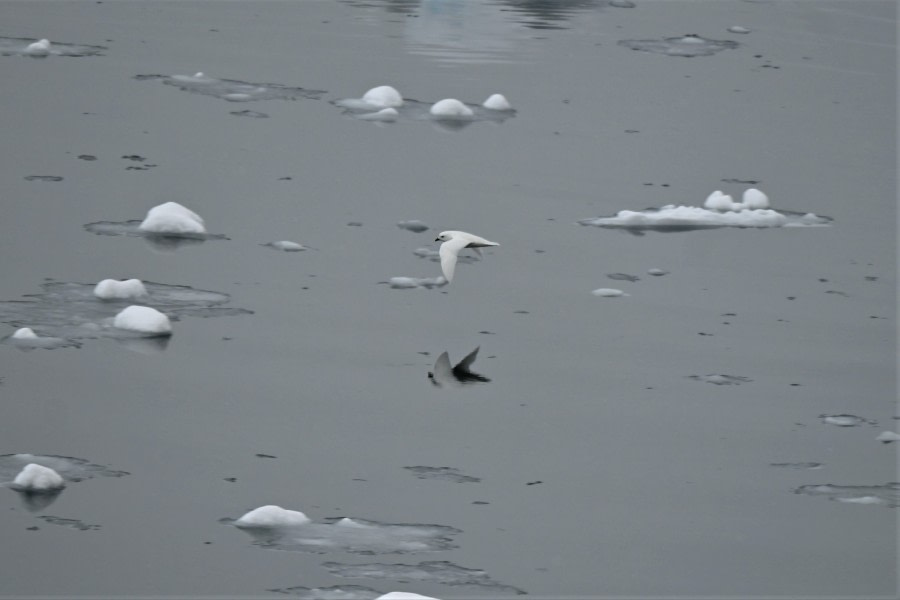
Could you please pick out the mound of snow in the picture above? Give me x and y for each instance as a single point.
(25, 333)
(143, 319)
(451, 108)
(39, 48)
(384, 96)
(608, 293)
(755, 199)
(172, 218)
(272, 516)
(287, 246)
(113, 289)
(404, 596)
(408, 283)
(887, 437)
(497, 102)
(721, 202)
(386, 115)
(38, 478)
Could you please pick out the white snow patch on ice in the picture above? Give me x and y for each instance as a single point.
(287, 246)
(143, 319)
(408, 283)
(25, 333)
(497, 102)
(272, 516)
(36, 478)
(385, 115)
(608, 293)
(384, 96)
(862, 500)
(172, 218)
(39, 48)
(887, 437)
(451, 108)
(113, 289)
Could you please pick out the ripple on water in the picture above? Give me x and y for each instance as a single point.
(438, 571)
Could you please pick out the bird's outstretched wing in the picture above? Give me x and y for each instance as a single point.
(449, 251)
(466, 364)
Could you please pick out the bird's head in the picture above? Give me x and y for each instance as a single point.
(443, 237)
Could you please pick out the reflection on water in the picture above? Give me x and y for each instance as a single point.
(466, 31)
(455, 376)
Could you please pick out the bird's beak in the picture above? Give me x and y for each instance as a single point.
(437, 239)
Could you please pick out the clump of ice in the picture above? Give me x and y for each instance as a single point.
(404, 596)
(887, 494)
(861, 500)
(409, 283)
(272, 516)
(384, 96)
(143, 319)
(70, 468)
(286, 246)
(414, 225)
(113, 289)
(842, 420)
(232, 90)
(385, 115)
(451, 108)
(38, 478)
(25, 333)
(436, 572)
(721, 202)
(38, 48)
(172, 218)
(657, 272)
(497, 102)
(608, 293)
(738, 29)
(755, 199)
(686, 46)
(886, 437)
(721, 379)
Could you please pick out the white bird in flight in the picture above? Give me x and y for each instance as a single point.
(454, 241)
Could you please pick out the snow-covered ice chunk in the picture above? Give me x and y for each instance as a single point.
(38, 48)
(436, 571)
(409, 283)
(843, 420)
(497, 102)
(887, 494)
(404, 596)
(656, 272)
(286, 246)
(886, 437)
(172, 218)
(608, 293)
(384, 96)
(672, 218)
(861, 500)
(738, 29)
(70, 468)
(272, 516)
(442, 474)
(232, 90)
(143, 319)
(385, 115)
(24, 333)
(721, 379)
(754, 199)
(686, 46)
(721, 202)
(113, 289)
(38, 478)
(451, 108)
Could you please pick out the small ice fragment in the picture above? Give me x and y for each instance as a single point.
(112, 289)
(38, 478)
(408, 283)
(143, 319)
(862, 500)
(738, 29)
(451, 108)
(413, 225)
(25, 333)
(404, 596)
(657, 272)
(691, 38)
(39, 48)
(287, 246)
(272, 516)
(172, 217)
(887, 437)
(608, 293)
(497, 102)
(384, 96)
(842, 420)
(755, 199)
(237, 97)
(385, 115)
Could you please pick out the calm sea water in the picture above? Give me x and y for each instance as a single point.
(608, 464)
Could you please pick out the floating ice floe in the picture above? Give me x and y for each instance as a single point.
(25, 338)
(70, 523)
(497, 102)
(886, 437)
(69, 468)
(443, 374)
(10, 46)
(286, 246)
(232, 90)
(272, 516)
(37, 478)
(385, 104)
(719, 210)
(143, 319)
(442, 474)
(797, 465)
(738, 29)
(609, 293)
(25, 333)
(404, 596)
(172, 218)
(253, 114)
(413, 225)
(437, 571)
(335, 592)
(657, 272)
(113, 289)
(844, 420)
(276, 528)
(687, 46)
(720, 379)
(451, 108)
(72, 311)
(416, 283)
(887, 494)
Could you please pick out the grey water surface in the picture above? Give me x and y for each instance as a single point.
(670, 442)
